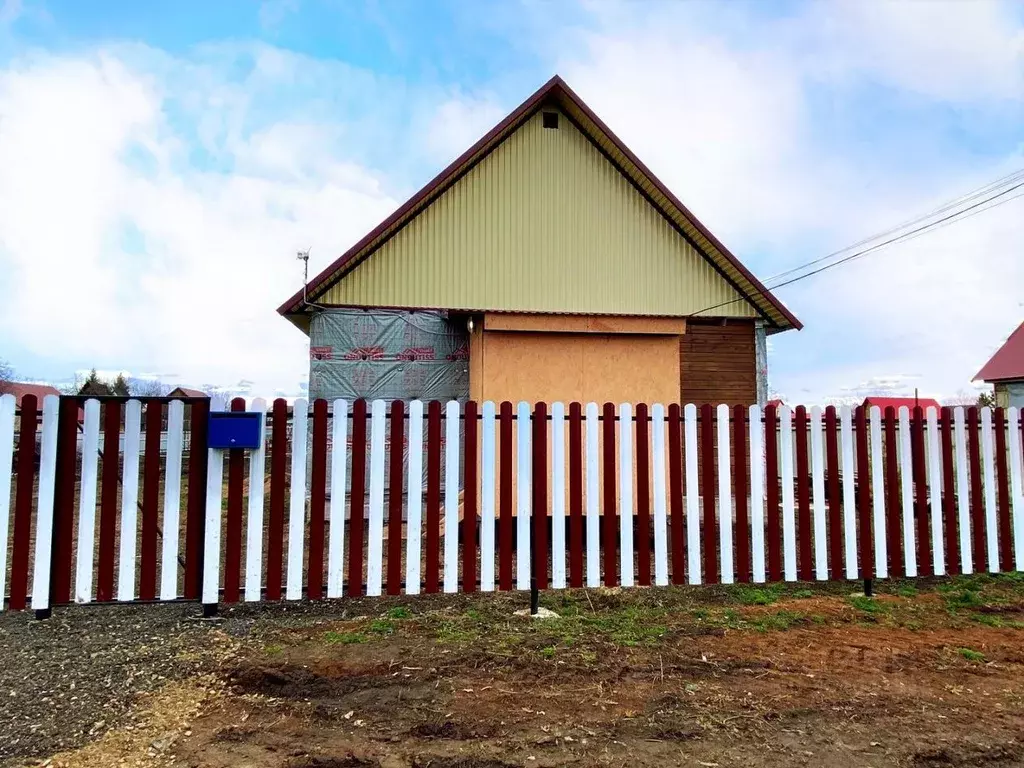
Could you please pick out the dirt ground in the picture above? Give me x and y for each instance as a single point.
(786, 675)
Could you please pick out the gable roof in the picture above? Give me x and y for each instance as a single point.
(19, 389)
(898, 402)
(657, 194)
(1007, 362)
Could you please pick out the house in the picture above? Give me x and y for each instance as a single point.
(20, 389)
(185, 392)
(899, 402)
(1005, 371)
(545, 263)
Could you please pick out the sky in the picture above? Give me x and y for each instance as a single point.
(161, 163)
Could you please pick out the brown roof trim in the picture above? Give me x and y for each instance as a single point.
(554, 86)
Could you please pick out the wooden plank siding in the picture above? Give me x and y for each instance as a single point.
(717, 363)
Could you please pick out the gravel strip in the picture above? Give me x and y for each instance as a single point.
(65, 680)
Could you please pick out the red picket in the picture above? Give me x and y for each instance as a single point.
(924, 544)
(1003, 493)
(395, 461)
(233, 529)
(357, 500)
(739, 487)
(21, 535)
(608, 518)
(675, 492)
(275, 523)
(832, 495)
(949, 494)
(150, 501)
(469, 498)
(771, 481)
(575, 495)
(539, 514)
(893, 498)
(64, 501)
(317, 502)
(863, 479)
(195, 510)
(708, 488)
(108, 500)
(974, 469)
(643, 497)
(433, 496)
(803, 496)
(505, 498)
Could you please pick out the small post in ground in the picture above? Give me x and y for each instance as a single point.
(534, 596)
(868, 588)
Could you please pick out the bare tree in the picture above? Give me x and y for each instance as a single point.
(965, 398)
(6, 377)
(147, 388)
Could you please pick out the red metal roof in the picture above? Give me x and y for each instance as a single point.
(899, 402)
(186, 392)
(1008, 361)
(20, 389)
(555, 88)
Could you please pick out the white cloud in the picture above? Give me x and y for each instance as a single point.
(217, 249)
(458, 123)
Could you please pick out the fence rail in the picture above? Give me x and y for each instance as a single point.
(362, 498)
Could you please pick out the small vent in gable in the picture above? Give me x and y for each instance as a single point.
(550, 120)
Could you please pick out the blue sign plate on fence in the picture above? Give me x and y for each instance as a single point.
(234, 429)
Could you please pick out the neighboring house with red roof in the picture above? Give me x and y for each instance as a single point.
(546, 263)
(1005, 371)
(20, 389)
(898, 402)
(186, 392)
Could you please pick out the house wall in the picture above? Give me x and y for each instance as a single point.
(544, 223)
(718, 363)
(1009, 394)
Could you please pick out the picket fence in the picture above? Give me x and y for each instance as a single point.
(409, 497)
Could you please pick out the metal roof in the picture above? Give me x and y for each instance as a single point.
(556, 91)
(1007, 362)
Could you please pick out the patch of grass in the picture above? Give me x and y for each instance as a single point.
(548, 653)
(382, 627)
(988, 620)
(802, 593)
(344, 638)
(631, 626)
(274, 649)
(779, 621)
(867, 604)
(399, 612)
(474, 614)
(453, 632)
(906, 590)
(699, 613)
(962, 598)
(757, 595)
(971, 655)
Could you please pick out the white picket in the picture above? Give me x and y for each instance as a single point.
(297, 500)
(788, 503)
(172, 500)
(451, 497)
(1016, 490)
(724, 495)
(87, 502)
(593, 505)
(963, 491)
(414, 499)
(626, 558)
(935, 491)
(6, 465)
(487, 516)
(558, 495)
(375, 528)
(907, 492)
(757, 493)
(336, 515)
(818, 497)
(660, 519)
(693, 563)
(129, 501)
(211, 543)
(878, 499)
(849, 494)
(989, 473)
(523, 490)
(254, 514)
(44, 504)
